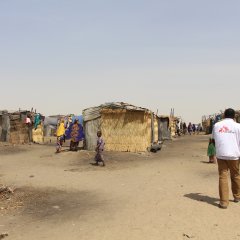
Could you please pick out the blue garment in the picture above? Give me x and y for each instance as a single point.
(79, 136)
(37, 120)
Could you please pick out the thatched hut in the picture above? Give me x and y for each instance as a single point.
(15, 130)
(124, 127)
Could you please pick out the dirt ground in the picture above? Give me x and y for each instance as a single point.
(172, 194)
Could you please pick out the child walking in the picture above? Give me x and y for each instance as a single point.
(211, 151)
(99, 149)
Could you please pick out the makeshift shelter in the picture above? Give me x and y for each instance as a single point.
(124, 127)
(15, 130)
(12, 127)
(164, 128)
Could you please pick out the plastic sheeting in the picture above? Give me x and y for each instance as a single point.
(91, 113)
(95, 112)
(91, 128)
(92, 122)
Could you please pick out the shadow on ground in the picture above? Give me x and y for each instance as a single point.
(203, 198)
(52, 204)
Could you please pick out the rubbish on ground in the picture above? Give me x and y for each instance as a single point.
(3, 235)
(4, 189)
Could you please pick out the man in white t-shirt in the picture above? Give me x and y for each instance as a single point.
(227, 141)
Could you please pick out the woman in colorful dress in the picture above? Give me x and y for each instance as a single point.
(74, 136)
(60, 135)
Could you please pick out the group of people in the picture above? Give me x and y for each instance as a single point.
(74, 132)
(188, 129)
(194, 128)
(69, 129)
(224, 148)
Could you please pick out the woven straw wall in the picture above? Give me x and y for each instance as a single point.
(125, 130)
(18, 132)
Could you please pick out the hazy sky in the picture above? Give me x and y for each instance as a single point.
(61, 56)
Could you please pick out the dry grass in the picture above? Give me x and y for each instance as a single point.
(37, 134)
(125, 130)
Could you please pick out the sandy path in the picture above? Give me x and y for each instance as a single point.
(156, 196)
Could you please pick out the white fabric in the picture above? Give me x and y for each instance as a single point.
(227, 139)
(28, 120)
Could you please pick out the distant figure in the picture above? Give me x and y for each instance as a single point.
(194, 128)
(181, 126)
(99, 149)
(178, 132)
(184, 128)
(211, 152)
(60, 136)
(190, 129)
(227, 138)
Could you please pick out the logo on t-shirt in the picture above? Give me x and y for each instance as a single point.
(225, 129)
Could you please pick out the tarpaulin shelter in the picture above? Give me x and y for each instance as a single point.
(124, 127)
